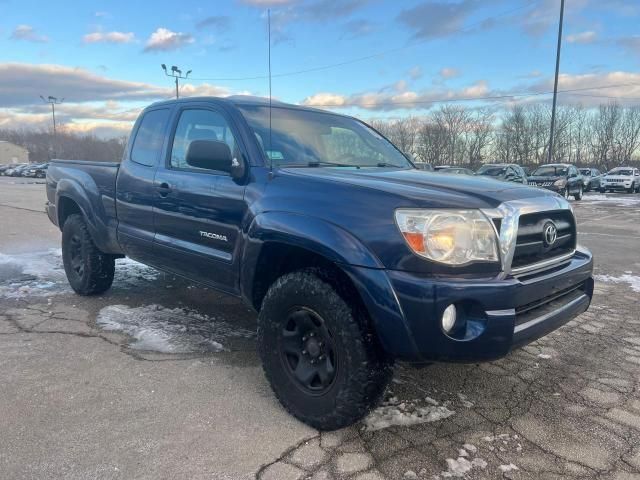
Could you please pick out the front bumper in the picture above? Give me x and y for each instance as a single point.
(501, 314)
(616, 186)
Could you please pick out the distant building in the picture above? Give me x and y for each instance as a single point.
(12, 153)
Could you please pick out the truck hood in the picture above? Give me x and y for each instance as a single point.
(421, 186)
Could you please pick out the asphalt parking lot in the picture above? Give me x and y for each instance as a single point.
(160, 379)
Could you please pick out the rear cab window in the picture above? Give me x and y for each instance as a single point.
(147, 145)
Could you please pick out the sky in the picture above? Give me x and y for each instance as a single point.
(371, 58)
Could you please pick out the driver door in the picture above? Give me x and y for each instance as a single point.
(199, 212)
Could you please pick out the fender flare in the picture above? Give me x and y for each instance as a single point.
(88, 199)
(337, 245)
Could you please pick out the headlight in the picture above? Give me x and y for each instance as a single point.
(454, 237)
(560, 183)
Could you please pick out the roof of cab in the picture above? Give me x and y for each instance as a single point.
(240, 100)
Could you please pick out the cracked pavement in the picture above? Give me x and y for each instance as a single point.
(80, 399)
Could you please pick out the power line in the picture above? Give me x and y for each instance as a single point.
(366, 57)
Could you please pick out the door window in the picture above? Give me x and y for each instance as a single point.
(199, 125)
(149, 137)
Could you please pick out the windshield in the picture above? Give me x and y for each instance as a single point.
(306, 138)
(550, 171)
(492, 171)
(621, 171)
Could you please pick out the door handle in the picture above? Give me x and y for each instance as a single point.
(164, 189)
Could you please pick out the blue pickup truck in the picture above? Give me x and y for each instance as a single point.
(351, 256)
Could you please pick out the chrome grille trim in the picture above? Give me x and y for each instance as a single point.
(509, 214)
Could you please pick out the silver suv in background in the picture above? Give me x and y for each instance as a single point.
(621, 179)
(591, 178)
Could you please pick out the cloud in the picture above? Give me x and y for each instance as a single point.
(628, 87)
(358, 28)
(109, 37)
(631, 43)
(216, 22)
(397, 97)
(545, 14)
(267, 3)
(437, 19)
(21, 85)
(449, 72)
(102, 15)
(415, 72)
(320, 10)
(164, 39)
(583, 37)
(29, 34)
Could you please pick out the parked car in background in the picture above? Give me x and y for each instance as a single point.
(36, 171)
(621, 179)
(4, 168)
(441, 167)
(508, 172)
(562, 178)
(591, 178)
(19, 171)
(10, 172)
(424, 166)
(457, 171)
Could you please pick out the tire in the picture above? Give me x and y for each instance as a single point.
(89, 271)
(602, 190)
(578, 196)
(565, 193)
(632, 188)
(354, 367)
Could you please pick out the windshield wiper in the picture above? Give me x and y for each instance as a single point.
(384, 164)
(319, 163)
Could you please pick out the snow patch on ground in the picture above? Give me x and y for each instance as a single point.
(31, 274)
(41, 274)
(169, 330)
(459, 467)
(632, 280)
(508, 468)
(413, 412)
(615, 199)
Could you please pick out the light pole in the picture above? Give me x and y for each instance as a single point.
(175, 73)
(53, 101)
(555, 83)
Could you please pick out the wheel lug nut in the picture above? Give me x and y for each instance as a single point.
(304, 352)
(321, 357)
(311, 334)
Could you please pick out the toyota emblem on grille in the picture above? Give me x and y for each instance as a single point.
(549, 233)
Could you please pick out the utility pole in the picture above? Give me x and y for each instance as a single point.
(555, 83)
(177, 74)
(53, 101)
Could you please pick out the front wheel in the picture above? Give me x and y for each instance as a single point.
(578, 196)
(89, 270)
(318, 352)
(632, 188)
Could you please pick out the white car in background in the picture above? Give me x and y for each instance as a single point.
(621, 179)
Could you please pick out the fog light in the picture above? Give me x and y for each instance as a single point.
(449, 318)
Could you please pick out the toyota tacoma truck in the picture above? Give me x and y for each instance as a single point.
(351, 256)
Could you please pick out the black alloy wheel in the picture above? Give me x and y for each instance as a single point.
(307, 350)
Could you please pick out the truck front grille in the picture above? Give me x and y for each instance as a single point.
(536, 242)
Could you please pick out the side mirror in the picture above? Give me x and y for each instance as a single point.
(214, 155)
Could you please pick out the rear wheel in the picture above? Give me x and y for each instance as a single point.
(318, 353)
(89, 270)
